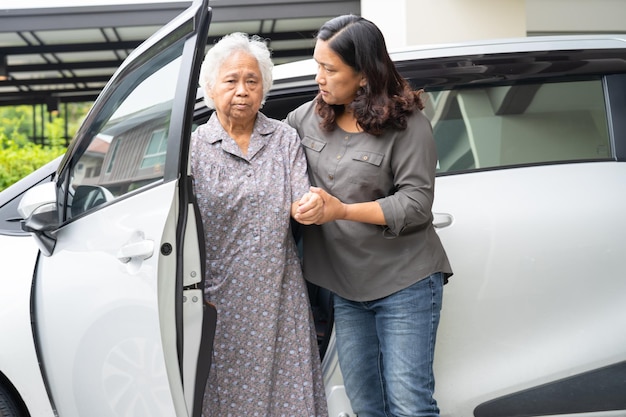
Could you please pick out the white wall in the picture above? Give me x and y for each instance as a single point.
(419, 22)
(575, 16)
(407, 22)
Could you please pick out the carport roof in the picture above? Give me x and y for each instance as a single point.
(67, 54)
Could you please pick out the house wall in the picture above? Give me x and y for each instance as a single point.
(422, 22)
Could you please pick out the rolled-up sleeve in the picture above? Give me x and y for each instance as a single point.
(413, 162)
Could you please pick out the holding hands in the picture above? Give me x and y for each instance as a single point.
(318, 207)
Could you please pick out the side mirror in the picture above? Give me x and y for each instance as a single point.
(38, 208)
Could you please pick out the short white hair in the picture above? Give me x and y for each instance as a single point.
(253, 45)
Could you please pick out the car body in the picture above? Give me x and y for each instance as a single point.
(101, 295)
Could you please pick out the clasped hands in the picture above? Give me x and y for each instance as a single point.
(318, 207)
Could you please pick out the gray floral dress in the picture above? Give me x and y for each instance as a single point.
(265, 359)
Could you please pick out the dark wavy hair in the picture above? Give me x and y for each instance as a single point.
(387, 99)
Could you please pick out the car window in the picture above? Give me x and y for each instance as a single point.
(513, 125)
(127, 145)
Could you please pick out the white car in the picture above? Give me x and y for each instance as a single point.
(101, 310)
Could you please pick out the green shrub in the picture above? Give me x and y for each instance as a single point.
(19, 160)
(19, 155)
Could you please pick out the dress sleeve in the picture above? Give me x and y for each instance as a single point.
(298, 166)
(413, 163)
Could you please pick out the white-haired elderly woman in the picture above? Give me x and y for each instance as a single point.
(250, 177)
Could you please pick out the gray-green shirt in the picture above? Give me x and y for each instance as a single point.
(360, 261)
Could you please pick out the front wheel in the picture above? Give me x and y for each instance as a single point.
(8, 406)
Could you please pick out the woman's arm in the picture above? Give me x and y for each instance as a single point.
(332, 209)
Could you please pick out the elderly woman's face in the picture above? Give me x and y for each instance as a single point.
(238, 89)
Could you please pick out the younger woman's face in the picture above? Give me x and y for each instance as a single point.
(338, 82)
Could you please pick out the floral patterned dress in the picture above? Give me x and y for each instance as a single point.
(265, 360)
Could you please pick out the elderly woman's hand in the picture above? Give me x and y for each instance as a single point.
(309, 209)
(319, 207)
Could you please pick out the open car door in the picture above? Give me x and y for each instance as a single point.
(118, 308)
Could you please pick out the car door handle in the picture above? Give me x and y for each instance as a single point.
(441, 220)
(142, 249)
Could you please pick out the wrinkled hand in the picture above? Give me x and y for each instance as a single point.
(319, 207)
(310, 209)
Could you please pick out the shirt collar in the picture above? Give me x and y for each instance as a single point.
(261, 134)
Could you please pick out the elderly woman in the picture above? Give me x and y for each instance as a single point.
(250, 177)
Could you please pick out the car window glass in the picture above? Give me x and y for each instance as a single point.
(515, 125)
(127, 148)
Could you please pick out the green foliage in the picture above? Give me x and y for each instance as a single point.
(14, 124)
(18, 160)
(19, 155)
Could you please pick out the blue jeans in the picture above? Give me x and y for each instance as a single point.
(386, 349)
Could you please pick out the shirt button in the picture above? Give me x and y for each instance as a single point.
(338, 156)
(365, 158)
(331, 176)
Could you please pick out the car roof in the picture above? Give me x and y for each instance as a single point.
(581, 54)
(479, 47)
(512, 45)
(465, 65)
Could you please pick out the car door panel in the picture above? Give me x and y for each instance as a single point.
(119, 312)
(509, 227)
(99, 319)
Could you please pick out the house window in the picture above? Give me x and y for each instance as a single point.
(113, 155)
(156, 150)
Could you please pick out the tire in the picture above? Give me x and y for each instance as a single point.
(8, 406)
